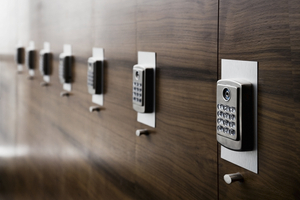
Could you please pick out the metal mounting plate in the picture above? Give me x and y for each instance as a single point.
(47, 50)
(248, 70)
(148, 59)
(67, 52)
(98, 53)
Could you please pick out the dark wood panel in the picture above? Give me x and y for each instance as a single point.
(114, 158)
(294, 18)
(260, 31)
(8, 120)
(179, 160)
(8, 98)
(69, 153)
(61, 151)
(74, 154)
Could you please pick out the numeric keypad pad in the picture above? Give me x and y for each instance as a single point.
(137, 93)
(90, 80)
(226, 120)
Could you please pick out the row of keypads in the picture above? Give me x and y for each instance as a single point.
(137, 92)
(225, 123)
(226, 130)
(226, 115)
(226, 108)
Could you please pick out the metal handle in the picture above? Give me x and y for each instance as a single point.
(43, 84)
(141, 131)
(94, 108)
(64, 94)
(230, 178)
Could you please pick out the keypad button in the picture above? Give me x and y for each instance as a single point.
(232, 117)
(220, 121)
(233, 109)
(218, 106)
(220, 114)
(232, 132)
(232, 124)
(225, 108)
(226, 115)
(220, 128)
(226, 130)
(221, 106)
(225, 123)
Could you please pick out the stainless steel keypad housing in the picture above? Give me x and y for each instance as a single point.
(20, 55)
(65, 68)
(30, 59)
(45, 63)
(95, 76)
(234, 114)
(138, 86)
(142, 89)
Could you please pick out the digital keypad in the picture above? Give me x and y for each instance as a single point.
(137, 93)
(90, 80)
(61, 70)
(226, 120)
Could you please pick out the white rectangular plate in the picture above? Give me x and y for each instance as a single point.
(30, 47)
(46, 50)
(20, 67)
(235, 69)
(46, 46)
(67, 51)
(148, 59)
(98, 53)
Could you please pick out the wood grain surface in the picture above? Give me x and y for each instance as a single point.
(267, 32)
(181, 156)
(64, 152)
(54, 148)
